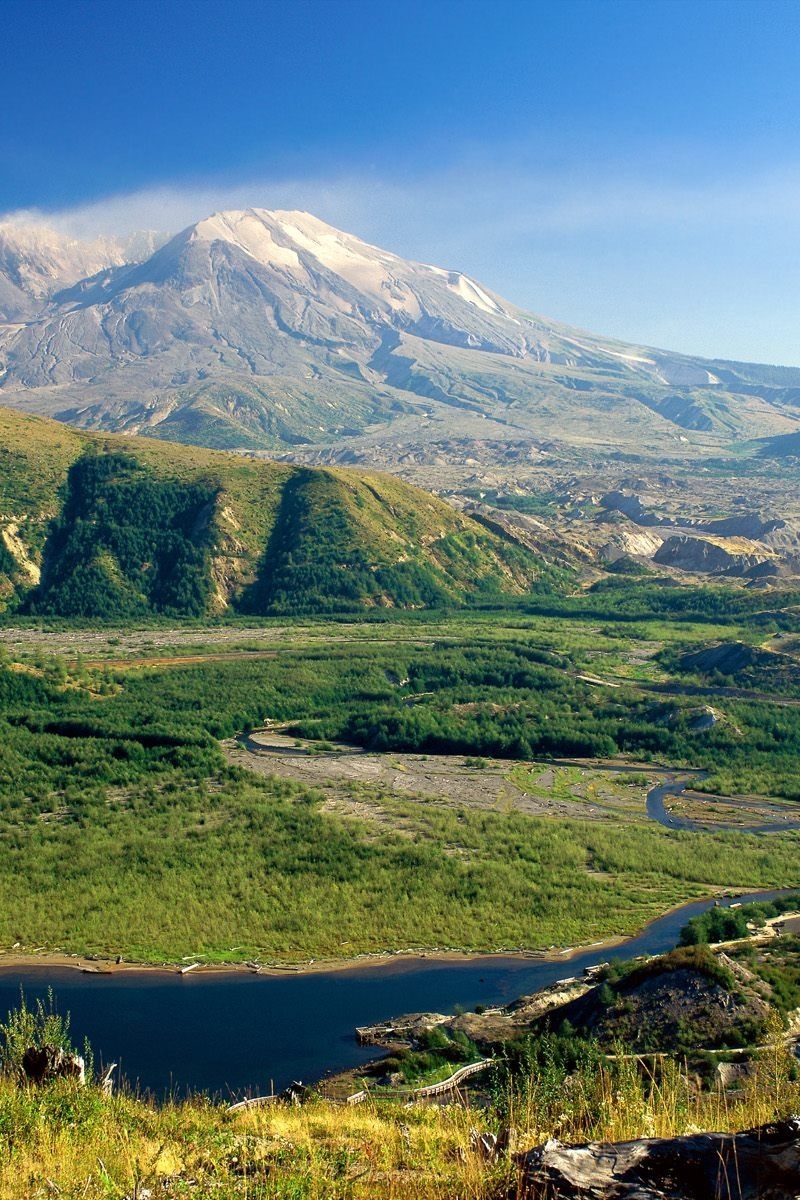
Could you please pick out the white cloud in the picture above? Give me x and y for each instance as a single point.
(172, 207)
(469, 199)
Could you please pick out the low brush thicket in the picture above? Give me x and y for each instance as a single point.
(135, 836)
(728, 924)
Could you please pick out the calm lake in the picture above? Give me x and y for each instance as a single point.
(239, 1033)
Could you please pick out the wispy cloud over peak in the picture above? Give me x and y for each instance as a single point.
(615, 248)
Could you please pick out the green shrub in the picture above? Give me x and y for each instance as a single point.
(36, 1027)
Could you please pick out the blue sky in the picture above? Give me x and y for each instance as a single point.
(630, 167)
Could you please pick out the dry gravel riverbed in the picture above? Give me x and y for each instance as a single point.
(352, 780)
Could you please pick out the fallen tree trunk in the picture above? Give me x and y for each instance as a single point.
(759, 1164)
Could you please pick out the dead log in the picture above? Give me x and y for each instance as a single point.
(251, 1102)
(483, 1144)
(758, 1164)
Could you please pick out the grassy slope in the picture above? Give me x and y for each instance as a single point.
(376, 540)
(35, 456)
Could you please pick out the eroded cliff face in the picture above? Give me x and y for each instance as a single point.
(712, 555)
(232, 567)
(29, 570)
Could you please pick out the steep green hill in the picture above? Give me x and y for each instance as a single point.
(119, 527)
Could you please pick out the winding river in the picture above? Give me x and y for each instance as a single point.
(233, 1033)
(657, 811)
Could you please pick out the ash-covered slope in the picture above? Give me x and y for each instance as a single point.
(268, 329)
(37, 263)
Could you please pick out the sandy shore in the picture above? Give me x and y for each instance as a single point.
(18, 960)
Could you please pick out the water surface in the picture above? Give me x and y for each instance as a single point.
(232, 1033)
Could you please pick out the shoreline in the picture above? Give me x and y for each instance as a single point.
(15, 960)
(18, 961)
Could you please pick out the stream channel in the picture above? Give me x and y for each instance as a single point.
(236, 1033)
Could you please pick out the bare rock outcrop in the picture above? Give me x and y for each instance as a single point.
(747, 525)
(407, 1028)
(624, 541)
(630, 505)
(712, 555)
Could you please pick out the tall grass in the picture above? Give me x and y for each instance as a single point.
(66, 1141)
(624, 1097)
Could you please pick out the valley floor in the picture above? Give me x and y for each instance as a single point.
(402, 758)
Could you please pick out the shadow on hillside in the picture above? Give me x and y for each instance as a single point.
(260, 596)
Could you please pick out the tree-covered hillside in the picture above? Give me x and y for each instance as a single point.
(119, 528)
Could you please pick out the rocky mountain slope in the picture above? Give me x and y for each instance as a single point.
(36, 263)
(272, 329)
(123, 527)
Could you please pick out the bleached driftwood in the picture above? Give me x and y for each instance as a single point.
(106, 1080)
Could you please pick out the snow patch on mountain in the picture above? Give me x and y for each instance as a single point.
(253, 235)
(470, 291)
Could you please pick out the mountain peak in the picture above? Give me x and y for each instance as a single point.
(284, 237)
(264, 328)
(251, 230)
(39, 260)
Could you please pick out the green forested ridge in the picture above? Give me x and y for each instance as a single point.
(340, 541)
(123, 527)
(125, 544)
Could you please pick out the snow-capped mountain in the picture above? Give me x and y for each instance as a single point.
(257, 328)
